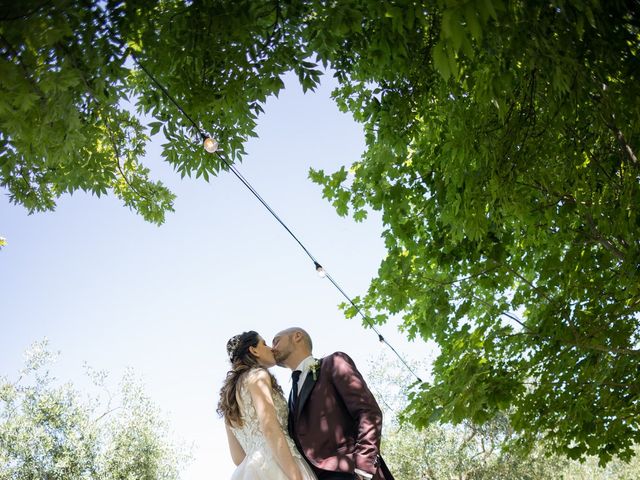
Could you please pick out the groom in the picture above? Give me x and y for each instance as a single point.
(333, 417)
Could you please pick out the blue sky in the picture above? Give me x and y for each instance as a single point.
(107, 288)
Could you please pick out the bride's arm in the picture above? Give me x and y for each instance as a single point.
(237, 452)
(259, 384)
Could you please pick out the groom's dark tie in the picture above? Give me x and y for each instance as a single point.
(295, 376)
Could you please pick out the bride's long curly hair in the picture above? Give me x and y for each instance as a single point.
(242, 361)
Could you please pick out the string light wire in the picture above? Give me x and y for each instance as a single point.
(250, 187)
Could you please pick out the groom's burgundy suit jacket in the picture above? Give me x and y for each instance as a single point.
(337, 422)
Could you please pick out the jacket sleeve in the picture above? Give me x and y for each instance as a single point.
(363, 409)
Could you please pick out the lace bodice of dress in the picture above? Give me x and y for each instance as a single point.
(249, 435)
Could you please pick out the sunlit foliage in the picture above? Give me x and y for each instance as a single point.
(502, 143)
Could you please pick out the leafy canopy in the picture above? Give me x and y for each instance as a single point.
(72, 72)
(501, 149)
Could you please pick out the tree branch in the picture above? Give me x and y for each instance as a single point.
(626, 148)
(596, 235)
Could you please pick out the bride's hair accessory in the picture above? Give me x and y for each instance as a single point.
(238, 345)
(232, 347)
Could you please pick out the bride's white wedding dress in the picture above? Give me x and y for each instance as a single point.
(260, 463)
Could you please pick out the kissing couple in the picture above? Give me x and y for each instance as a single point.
(329, 429)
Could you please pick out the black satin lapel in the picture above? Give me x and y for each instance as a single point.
(309, 382)
(307, 387)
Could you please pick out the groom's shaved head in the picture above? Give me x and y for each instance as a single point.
(291, 346)
(306, 338)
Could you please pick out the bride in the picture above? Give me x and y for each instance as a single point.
(255, 414)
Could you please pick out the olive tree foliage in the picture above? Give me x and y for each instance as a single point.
(50, 430)
(501, 149)
(468, 451)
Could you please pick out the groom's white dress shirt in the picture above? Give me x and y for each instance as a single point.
(304, 369)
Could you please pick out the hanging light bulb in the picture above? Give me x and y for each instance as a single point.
(320, 270)
(210, 145)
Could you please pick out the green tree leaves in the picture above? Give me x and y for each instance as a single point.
(502, 142)
(63, 124)
(507, 199)
(69, 69)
